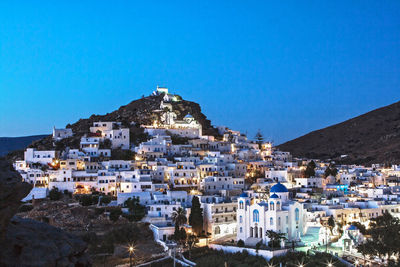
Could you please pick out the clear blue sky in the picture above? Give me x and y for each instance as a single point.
(284, 68)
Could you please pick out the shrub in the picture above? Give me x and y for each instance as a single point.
(258, 246)
(240, 243)
(25, 208)
(105, 200)
(67, 193)
(87, 200)
(99, 211)
(55, 194)
(129, 217)
(114, 214)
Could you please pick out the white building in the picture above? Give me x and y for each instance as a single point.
(311, 182)
(277, 213)
(59, 134)
(31, 155)
(112, 131)
(213, 184)
(219, 218)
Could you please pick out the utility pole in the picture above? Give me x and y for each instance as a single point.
(174, 256)
(326, 239)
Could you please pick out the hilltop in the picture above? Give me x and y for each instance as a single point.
(373, 137)
(140, 111)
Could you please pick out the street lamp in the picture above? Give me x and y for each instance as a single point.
(131, 249)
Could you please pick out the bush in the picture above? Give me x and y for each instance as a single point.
(99, 211)
(67, 193)
(205, 257)
(129, 217)
(114, 214)
(105, 200)
(258, 246)
(135, 208)
(88, 200)
(55, 194)
(25, 208)
(240, 243)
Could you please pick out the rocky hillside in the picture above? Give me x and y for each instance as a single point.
(373, 137)
(139, 111)
(26, 242)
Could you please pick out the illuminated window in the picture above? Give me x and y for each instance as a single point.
(256, 216)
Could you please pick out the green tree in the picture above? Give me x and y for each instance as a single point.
(196, 216)
(105, 200)
(179, 235)
(87, 200)
(330, 170)
(274, 238)
(360, 227)
(55, 194)
(191, 242)
(258, 246)
(327, 172)
(114, 214)
(310, 170)
(259, 138)
(384, 240)
(331, 223)
(334, 171)
(137, 210)
(240, 243)
(179, 216)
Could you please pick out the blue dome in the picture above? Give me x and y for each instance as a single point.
(352, 228)
(278, 188)
(244, 194)
(188, 116)
(274, 196)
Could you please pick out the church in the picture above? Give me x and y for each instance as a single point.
(277, 213)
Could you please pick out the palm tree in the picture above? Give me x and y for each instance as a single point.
(179, 216)
(274, 237)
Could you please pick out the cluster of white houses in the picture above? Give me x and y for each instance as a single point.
(245, 188)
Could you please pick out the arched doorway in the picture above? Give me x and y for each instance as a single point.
(217, 230)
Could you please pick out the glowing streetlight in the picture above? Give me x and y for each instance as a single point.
(131, 250)
(356, 263)
(330, 265)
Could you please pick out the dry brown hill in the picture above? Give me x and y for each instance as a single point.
(373, 137)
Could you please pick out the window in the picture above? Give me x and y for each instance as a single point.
(241, 230)
(296, 213)
(256, 216)
(271, 221)
(240, 219)
(272, 205)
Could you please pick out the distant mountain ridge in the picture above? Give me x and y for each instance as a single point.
(373, 137)
(8, 144)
